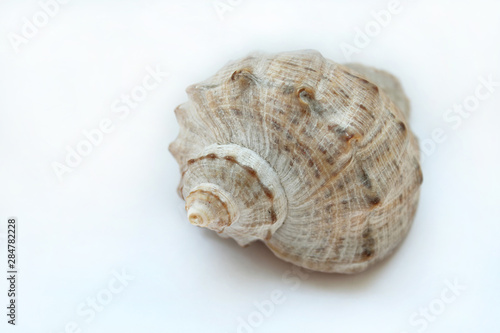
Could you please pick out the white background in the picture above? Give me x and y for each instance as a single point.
(118, 209)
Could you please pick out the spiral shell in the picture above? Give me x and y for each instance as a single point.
(313, 158)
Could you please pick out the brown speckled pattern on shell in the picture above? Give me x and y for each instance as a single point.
(328, 139)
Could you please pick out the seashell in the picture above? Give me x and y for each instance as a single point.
(313, 158)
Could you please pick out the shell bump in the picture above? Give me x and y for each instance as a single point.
(313, 158)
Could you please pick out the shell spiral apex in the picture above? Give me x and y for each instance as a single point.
(313, 158)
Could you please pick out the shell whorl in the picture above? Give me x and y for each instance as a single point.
(233, 191)
(311, 157)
